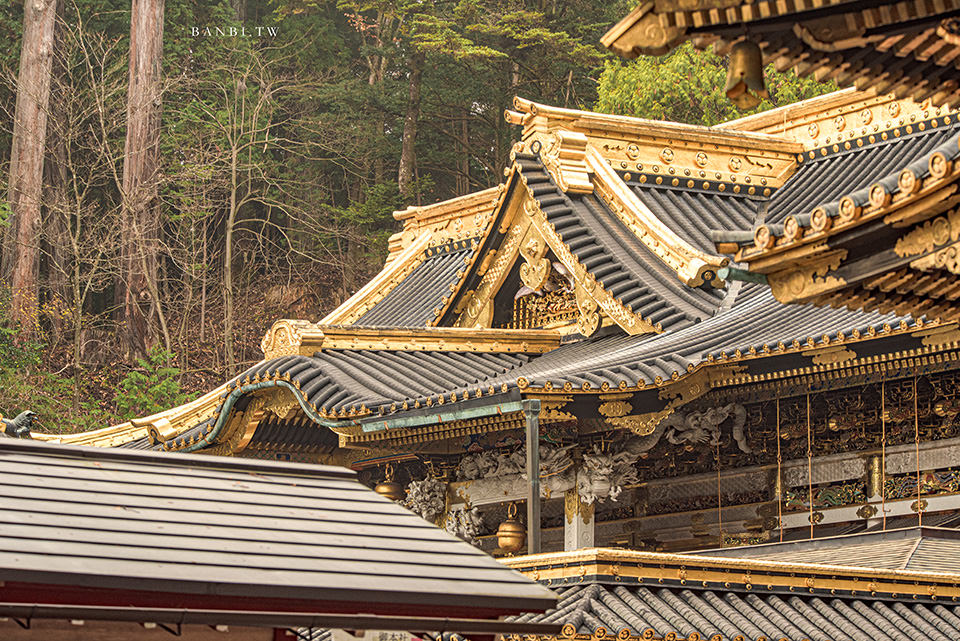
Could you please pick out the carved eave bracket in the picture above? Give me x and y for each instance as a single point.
(642, 32)
(291, 337)
(564, 156)
(805, 282)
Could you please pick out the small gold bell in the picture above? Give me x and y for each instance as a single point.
(745, 86)
(390, 488)
(511, 535)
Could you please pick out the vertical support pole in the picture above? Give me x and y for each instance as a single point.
(531, 415)
(578, 522)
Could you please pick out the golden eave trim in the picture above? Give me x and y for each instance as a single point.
(382, 284)
(732, 571)
(786, 115)
(437, 212)
(292, 337)
(589, 122)
(692, 266)
(164, 425)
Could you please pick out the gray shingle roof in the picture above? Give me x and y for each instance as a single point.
(691, 213)
(203, 529)
(827, 179)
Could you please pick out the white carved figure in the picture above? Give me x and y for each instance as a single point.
(466, 524)
(428, 498)
(703, 428)
(604, 473)
(556, 467)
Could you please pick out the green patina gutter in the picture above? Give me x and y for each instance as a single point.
(732, 273)
(210, 437)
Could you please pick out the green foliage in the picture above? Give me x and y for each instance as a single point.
(26, 384)
(687, 86)
(150, 388)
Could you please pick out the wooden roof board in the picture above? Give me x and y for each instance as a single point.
(214, 555)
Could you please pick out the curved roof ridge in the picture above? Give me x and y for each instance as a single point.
(901, 185)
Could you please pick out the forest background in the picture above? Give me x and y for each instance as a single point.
(158, 215)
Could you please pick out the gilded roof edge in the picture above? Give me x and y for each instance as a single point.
(424, 227)
(658, 567)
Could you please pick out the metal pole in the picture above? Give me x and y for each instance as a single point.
(531, 414)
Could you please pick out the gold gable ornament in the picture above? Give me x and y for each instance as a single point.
(745, 86)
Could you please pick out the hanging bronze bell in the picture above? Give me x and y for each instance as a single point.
(745, 86)
(511, 535)
(390, 488)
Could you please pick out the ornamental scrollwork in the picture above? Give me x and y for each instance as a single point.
(930, 235)
(589, 319)
(806, 281)
(284, 338)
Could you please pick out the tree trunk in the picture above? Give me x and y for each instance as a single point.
(228, 347)
(138, 233)
(20, 265)
(408, 150)
(239, 9)
(56, 225)
(463, 176)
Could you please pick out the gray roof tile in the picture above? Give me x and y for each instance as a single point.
(194, 525)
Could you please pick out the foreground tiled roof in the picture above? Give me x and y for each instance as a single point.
(929, 549)
(596, 609)
(211, 533)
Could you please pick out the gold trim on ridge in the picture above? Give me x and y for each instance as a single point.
(692, 266)
(655, 567)
(292, 337)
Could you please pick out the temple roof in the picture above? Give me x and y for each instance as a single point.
(929, 549)
(609, 228)
(623, 594)
(135, 529)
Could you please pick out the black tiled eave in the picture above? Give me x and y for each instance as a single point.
(691, 214)
(828, 178)
(660, 612)
(414, 302)
(614, 255)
